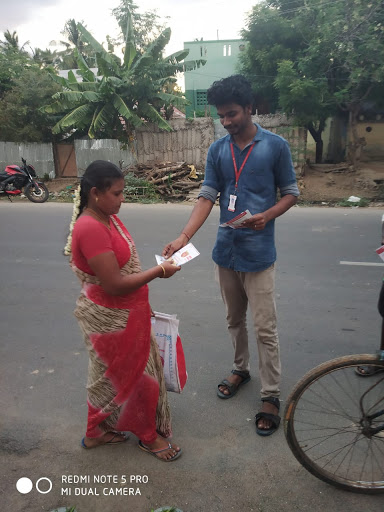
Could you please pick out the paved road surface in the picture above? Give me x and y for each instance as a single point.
(325, 310)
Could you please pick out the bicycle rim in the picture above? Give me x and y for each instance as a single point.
(326, 425)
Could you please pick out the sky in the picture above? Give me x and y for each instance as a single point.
(41, 21)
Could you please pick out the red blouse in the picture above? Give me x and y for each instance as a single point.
(90, 238)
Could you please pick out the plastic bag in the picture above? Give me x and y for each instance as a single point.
(166, 330)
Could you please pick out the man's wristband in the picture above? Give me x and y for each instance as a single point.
(160, 265)
(184, 233)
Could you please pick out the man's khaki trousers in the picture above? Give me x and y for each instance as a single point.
(257, 289)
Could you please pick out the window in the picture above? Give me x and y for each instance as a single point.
(229, 50)
(225, 50)
(201, 98)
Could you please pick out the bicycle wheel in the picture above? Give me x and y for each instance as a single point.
(334, 423)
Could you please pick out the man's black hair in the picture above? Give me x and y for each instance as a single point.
(233, 89)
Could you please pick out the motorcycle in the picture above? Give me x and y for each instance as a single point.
(14, 179)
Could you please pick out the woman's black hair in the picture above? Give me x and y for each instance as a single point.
(100, 174)
(233, 89)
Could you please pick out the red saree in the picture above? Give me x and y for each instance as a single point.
(126, 390)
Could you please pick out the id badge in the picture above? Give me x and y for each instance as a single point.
(232, 203)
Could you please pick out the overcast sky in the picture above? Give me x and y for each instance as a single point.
(41, 21)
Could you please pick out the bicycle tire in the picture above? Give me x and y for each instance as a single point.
(341, 412)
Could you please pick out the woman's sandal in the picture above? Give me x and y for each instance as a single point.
(231, 387)
(367, 371)
(111, 442)
(155, 452)
(273, 418)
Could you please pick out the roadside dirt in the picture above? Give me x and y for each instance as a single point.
(319, 183)
(332, 183)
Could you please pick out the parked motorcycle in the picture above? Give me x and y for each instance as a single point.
(15, 179)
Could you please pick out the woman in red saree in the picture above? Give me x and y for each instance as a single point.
(126, 390)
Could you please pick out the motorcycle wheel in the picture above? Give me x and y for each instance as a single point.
(33, 195)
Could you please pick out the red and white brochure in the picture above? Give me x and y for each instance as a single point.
(236, 222)
(187, 253)
(380, 252)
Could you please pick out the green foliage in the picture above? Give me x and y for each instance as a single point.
(361, 204)
(20, 117)
(139, 190)
(312, 58)
(145, 26)
(12, 65)
(124, 94)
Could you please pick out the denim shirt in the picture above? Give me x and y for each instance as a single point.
(268, 168)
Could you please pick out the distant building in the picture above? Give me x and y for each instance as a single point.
(222, 58)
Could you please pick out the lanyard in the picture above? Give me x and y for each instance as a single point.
(238, 172)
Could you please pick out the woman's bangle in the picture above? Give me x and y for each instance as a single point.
(160, 265)
(184, 233)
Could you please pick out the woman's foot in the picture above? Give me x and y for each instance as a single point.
(108, 438)
(162, 449)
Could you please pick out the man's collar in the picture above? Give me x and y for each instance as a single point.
(258, 136)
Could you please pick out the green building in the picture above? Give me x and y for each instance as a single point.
(222, 58)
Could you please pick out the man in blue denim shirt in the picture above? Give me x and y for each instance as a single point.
(246, 167)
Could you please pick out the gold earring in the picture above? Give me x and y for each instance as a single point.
(97, 199)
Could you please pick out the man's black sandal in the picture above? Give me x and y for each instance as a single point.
(233, 388)
(273, 418)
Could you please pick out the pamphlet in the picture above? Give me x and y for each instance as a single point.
(380, 252)
(236, 222)
(187, 253)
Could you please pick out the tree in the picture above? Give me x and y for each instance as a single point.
(146, 26)
(336, 60)
(271, 38)
(20, 117)
(74, 41)
(348, 51)
(13, 61)
(124, 94)
(11, 42)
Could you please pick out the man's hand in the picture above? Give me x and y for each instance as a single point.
(174, 246)
(256, 222)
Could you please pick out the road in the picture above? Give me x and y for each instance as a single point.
(325, 309)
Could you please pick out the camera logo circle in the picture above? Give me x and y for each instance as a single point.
(25, 485)
(49, 485)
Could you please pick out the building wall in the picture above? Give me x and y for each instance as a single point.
(296, 136)
(373, 133)
(222, 60)
(188, 142)
(101, 149)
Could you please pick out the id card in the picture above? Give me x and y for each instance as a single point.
(232, 203)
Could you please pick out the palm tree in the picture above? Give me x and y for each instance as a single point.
(74, 41)
(11, 42)
(124, 94)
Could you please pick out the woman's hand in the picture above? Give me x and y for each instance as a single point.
(168, 269)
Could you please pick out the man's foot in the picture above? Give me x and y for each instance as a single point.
(268, 419)
(162, 449)
(367, 371)
(108, 438)
(229, 387)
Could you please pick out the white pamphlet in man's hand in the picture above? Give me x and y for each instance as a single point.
(236, 222)
(187, 253)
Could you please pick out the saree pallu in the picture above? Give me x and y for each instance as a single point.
(126, 389)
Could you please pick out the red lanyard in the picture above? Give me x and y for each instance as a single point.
(238, 172)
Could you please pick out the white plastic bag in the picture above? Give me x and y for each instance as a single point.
(166, 330)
